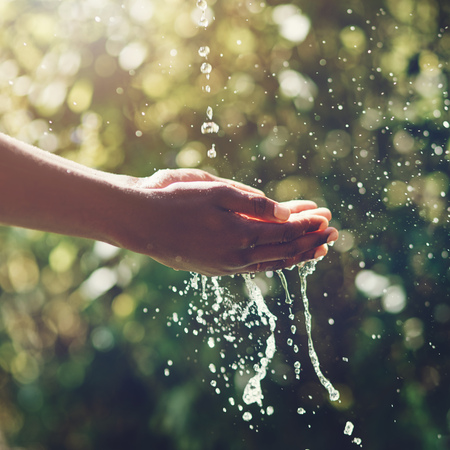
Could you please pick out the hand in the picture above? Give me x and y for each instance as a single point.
(191, 220)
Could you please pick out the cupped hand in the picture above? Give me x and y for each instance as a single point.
(190, 220)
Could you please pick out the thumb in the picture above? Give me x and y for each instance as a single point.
(255, 206)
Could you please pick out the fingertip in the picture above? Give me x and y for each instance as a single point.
(333, 235)
(297, 206)
(281, 212)
(321, 251)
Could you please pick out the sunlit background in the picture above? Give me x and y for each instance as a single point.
(345, 103)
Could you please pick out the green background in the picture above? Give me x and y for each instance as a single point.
(345, 103)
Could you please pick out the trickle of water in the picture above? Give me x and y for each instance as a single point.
(252, 391)
(209, 126)
(304, 270)
(204, 281)
(219, 317)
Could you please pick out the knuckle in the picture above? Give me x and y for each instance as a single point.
(260, 205)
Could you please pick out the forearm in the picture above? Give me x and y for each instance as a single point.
(42, 191)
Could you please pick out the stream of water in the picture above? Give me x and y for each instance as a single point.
(221, 315)
(208, 126)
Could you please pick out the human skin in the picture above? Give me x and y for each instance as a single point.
(186, 219)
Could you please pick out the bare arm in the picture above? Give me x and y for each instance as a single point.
(186, 219)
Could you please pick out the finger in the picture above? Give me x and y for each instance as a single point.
(317, 253)
(325, 212)
(290, 250)
(254, 206)
(263, 233)
(297, 206)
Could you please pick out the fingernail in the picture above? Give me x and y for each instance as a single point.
(281, 212)
(321, 252)
(333, 236)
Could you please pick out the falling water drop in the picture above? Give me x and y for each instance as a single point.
(348, 428)
(209, 113)
(201, 4)
(212, 152)
(209, 128)
(204, 51)
(206, 68)
(203, 22)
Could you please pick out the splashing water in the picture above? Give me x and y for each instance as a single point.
(252, 391)
(220, 315)
(304, 270)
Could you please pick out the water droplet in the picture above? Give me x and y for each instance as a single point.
(201, 4)
(209, 127)
(203, 22)
(212, 152)
(204, 51)
(348, 428)
(247, 416)
(209, 113)
(205, 68)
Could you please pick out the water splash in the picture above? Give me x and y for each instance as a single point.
(252, 391)
(221, 316)
(304, 270)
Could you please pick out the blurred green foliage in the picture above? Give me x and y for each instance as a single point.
(345, 103)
